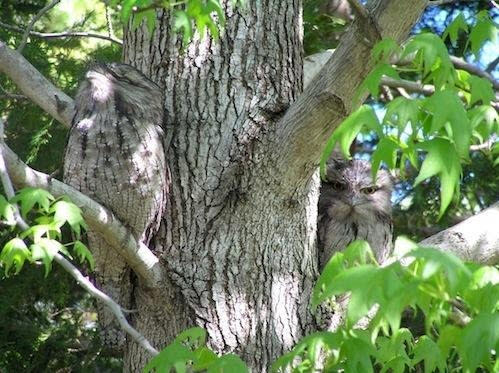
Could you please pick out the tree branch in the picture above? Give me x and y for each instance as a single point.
(446, 2)
(115, 308)
(32, 23)
(35, 86)
(65, 34)
(459, 63)
(328, 100)
(475, 239)
(101, 220)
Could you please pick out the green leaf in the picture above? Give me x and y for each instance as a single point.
(193, 337)
(228, 363)
(149, 16)
(435, 57)
(334, 266)
(449, 336)
(478, 339)
(401, 111)
(457, 25)
(347, 131)
(456, 272)
(481, 90)
(174, 355)
(484, 30)
(364, 282)
(52, 247)
(447, 108)
(392, 351)
(385, 49)
(358, 350)
(484, 121)
(204, 358)
(441, 160)
(36, 232)
(427, 350)
(386, 151)
(40, 252)
(7, 211)
(14, 253)
(183, 24)
(126, 9)
(84, 253)
(330, 341)
(372, 81)
(68, 212)
(29, 197)
(358, 252)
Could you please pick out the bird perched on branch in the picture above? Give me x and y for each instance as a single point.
(353, 207)
(115, 155)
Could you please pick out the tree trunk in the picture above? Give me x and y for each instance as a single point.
(237, 239)
(239, 245)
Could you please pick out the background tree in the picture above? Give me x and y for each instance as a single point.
(242, 142)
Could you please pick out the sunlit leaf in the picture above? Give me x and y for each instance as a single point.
(84, 254)
(441, 160)
(347, 131)
(447, 109)
(6, 211)
(457, 25)
(29, 197)
(40, 252)
(14, 254)
(484, 30)
(427, 350)
(67, 212)
(477, 341)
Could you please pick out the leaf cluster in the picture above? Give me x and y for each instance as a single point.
(189, 353)
(459, 302)
(44, 236)
(190, 16)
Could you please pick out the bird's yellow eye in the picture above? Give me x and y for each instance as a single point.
(369, 190)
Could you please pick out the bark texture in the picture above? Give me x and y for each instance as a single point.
(239, 233)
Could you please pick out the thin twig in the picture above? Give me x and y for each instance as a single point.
(64, 34)
(492, 65)
(69, 267)
(487, 145)
(32, 23)
(12, 96)
(110, 31)
(446, 2)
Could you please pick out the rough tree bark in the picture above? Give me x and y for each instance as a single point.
(238, 237)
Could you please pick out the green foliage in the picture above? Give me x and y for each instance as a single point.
(442, 125)
(437, 283)
(48, 325)
(49, 216)
(188, 352)
(190, 15)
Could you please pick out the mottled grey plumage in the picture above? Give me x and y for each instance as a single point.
(352, 207)
(115, 155)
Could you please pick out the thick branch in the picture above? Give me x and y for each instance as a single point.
(328, 100)
(65, 34)
(142, 260)
(475, 239)
(35, 86)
